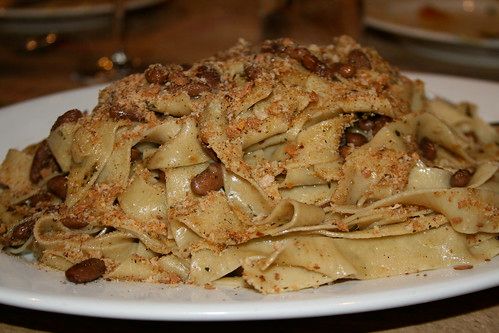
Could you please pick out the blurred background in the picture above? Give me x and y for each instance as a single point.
(52, 45)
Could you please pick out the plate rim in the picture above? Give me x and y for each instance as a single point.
(261, 309)
(425, 34)
(71, 11)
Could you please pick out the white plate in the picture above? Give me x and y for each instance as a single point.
(67, 18)
(455, 40)
(23, 285)
(402, 18)
(71, 9)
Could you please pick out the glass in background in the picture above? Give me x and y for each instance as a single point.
(108, 67)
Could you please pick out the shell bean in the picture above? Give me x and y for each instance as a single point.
(211, 179)
(86, 271)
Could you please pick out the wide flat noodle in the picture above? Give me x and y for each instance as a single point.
(468, 210)
(60, 141)
(213, 219)
(291, 214)
(182, 150)
(14, 172)
(394, 228)
(144, 199)
(387, 256)
(208, 265)
(90, 152)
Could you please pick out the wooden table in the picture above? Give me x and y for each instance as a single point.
(184, 32)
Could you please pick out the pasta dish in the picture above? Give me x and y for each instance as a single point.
(276, 167)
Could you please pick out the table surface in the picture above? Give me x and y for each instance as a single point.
(165, 34)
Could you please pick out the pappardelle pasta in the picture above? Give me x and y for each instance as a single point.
(279, 167)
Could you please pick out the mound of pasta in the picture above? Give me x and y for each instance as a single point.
(278, 167)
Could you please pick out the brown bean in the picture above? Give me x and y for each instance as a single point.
(460, 178)
(73, 222)
(356, 139)
(161, 176)
(463, 267)
(58, 185)
(428, 149)
(346, 70)
(86, 271)
(157, 74)
(210, 152)
(194, 89)
(359, 59)
(135, 154)
(120, 112)
(365, 124)
(178, 78)
(301, 54)
(42, 159)
(23, 231)
(324, 71)
(38, 198)
(251, 72)
(310, 62)
(380, 122)
(296, 53)
(211, 179)
(334, 67)
(208, 74)
(70, 116)
(344, 151)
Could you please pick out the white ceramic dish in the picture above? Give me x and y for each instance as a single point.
(402, 18)
(73, 9)
(24, 285)
(457, 39)
(66, 19)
